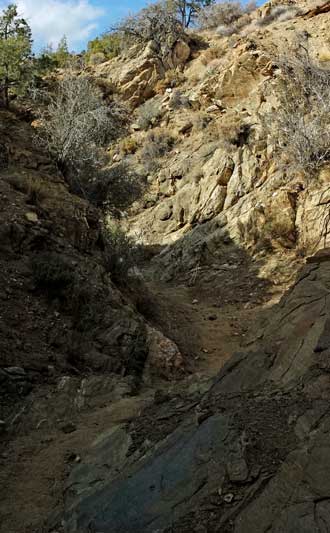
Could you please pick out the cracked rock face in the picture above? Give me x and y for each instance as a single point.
(251, 455)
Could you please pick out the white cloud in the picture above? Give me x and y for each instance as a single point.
(51, 19)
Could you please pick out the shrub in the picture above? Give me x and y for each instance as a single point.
(173, 78)
(220, 14)
(149, 113)
(74, 122)
(279, 14)
(157, 23)
(108, 45)
(74, 127)
(37, 191)
(129, 145)
(53, 273)
(178, 100)
(116, 188)
(157, 144)
(300, 128)
(96, 59)
(121, 252)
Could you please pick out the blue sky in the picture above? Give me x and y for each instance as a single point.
(79, 20)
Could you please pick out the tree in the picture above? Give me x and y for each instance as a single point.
(15, 52)
(188, 10)
(62, 53)
(158, 23)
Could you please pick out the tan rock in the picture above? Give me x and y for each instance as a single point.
(32, 217)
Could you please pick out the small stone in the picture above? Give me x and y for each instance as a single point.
(228, 498)
(195, 302)
(15, 371)
(212, 109)
(68, 427)
(31, 217)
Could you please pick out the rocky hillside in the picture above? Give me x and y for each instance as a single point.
(213, 169)
(191, 396)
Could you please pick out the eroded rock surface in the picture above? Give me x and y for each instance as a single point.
(250, 454)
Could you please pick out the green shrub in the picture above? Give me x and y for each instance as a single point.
(108, 44)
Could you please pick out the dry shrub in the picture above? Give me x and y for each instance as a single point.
(116, 188)
(76, 122)
(149, 113)
(37, 191)
(299, 128)
(200, 121)
(178, 100)
(157, 144)
(128, 145)
(226, 17)
(279, 14)
(157, 23)
(210, 54)
(232, 131)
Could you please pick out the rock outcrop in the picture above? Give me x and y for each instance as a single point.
(249, 455)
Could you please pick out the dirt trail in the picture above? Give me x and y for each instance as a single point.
(214, 318)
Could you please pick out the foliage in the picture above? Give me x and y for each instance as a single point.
(108, 44)
(279, 14)
(157, 23)
(15, 53)
(62, 54)
(189, 10)
(157, 144)
(75, 122)
(149, 113)
(116, 188)
(53, 274)
(224, 14)
(121, 252)
(299, 127)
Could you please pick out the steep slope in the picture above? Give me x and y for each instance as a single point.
(220, 177)
(249, 455)
(195, 399)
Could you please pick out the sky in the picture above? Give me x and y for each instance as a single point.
(79, 20)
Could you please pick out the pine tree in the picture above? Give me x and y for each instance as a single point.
(15, 52)
(62, 53)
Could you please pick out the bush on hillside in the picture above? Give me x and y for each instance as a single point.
(157, 144)
(75, 126)
(115, 188)
(224, 14)
(121, 252)
(106, 46)
(299, 127)
(53, 274)
(279, 14)
(149, 113)
(157, 23)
